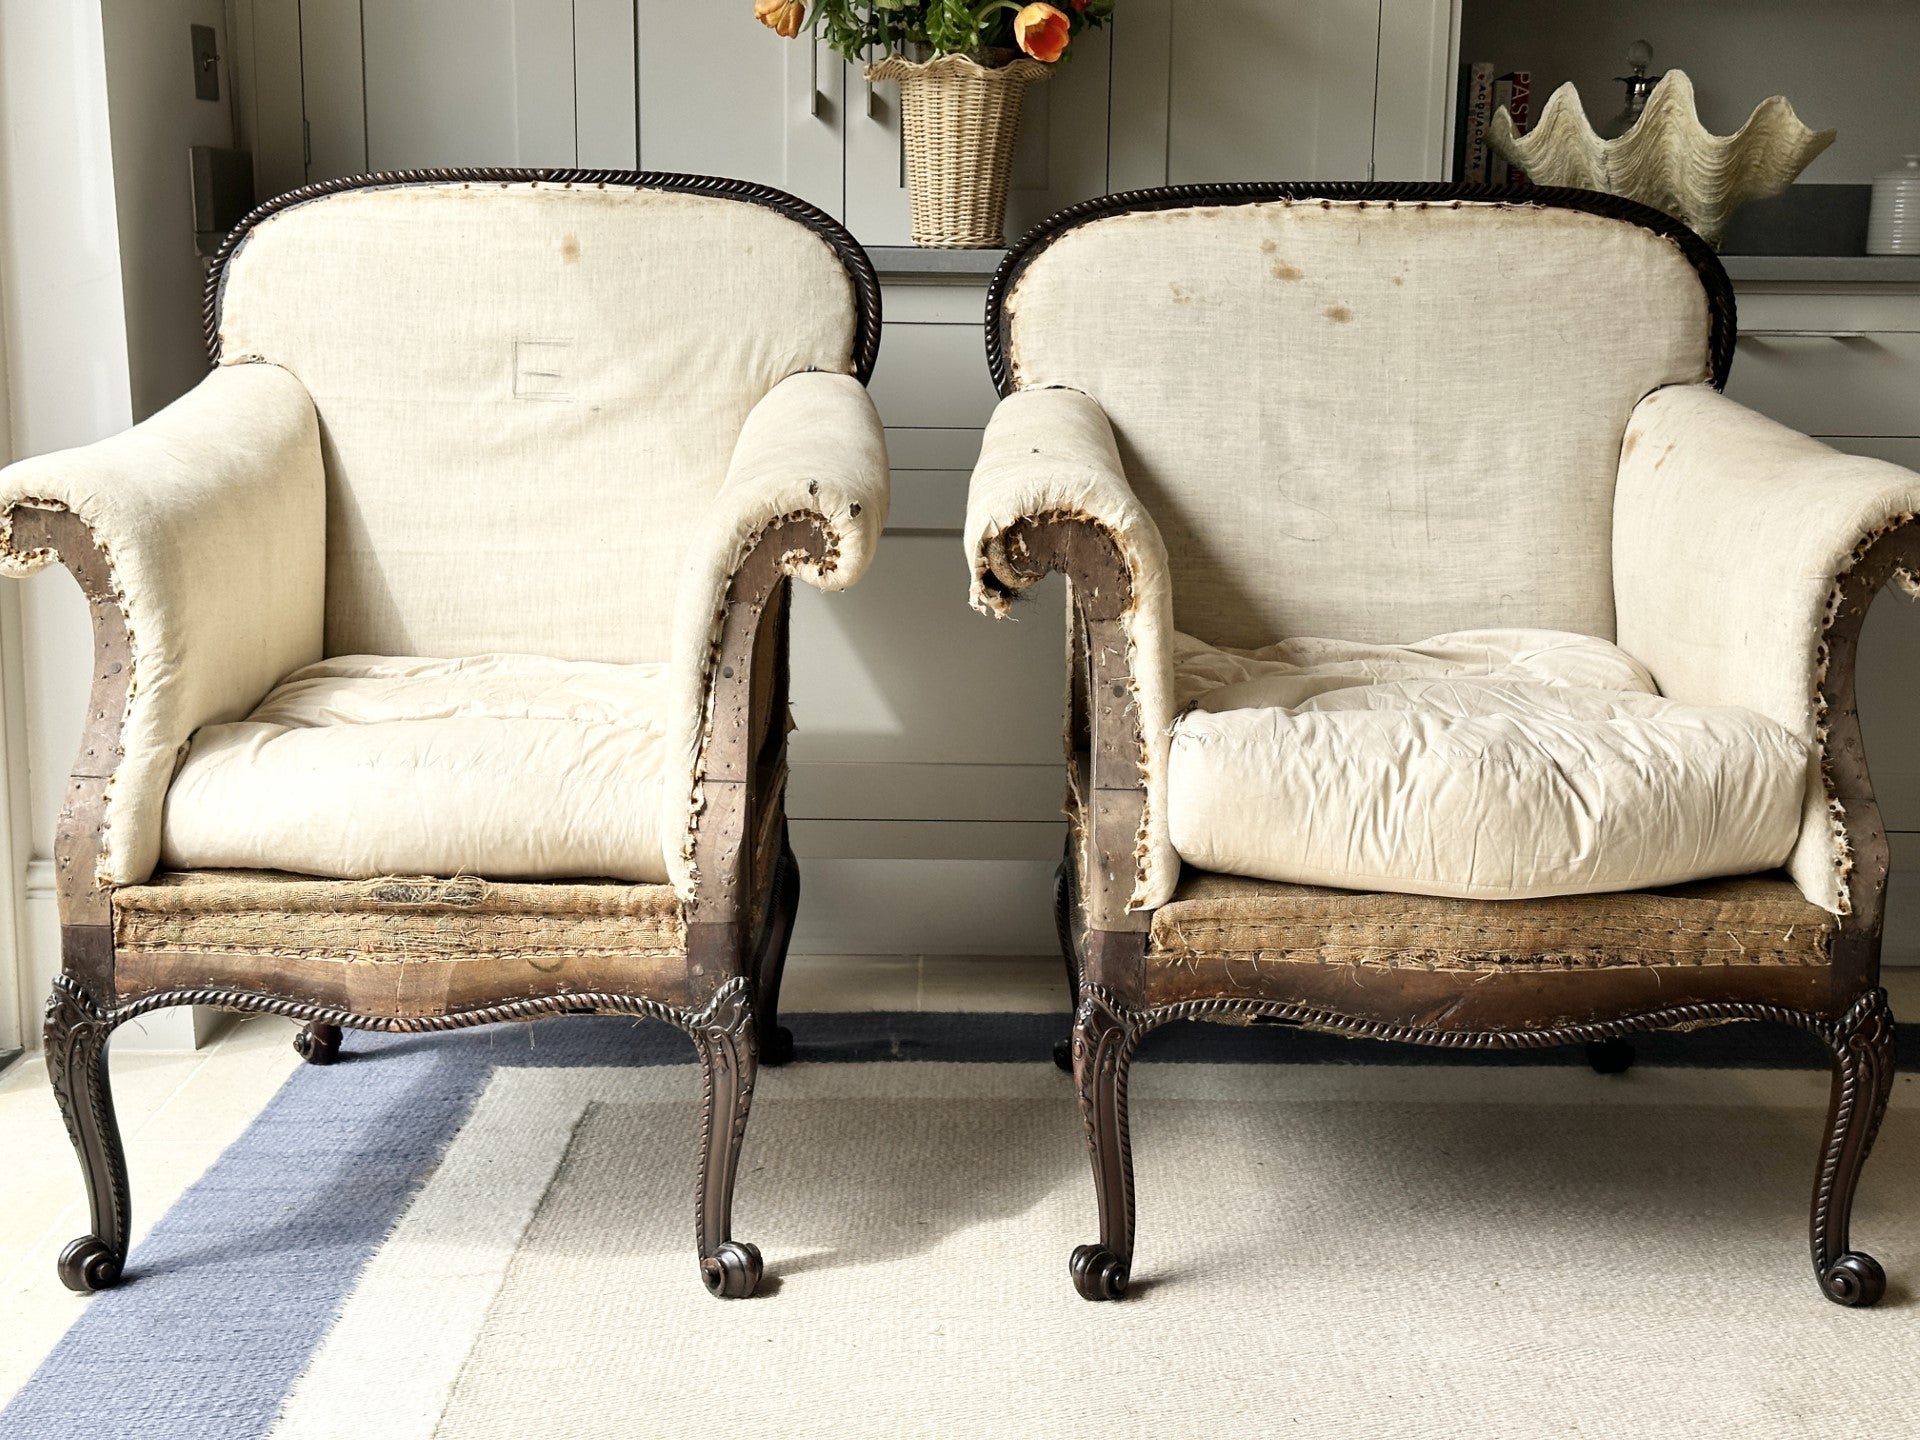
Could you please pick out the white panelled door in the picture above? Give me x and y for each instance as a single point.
(468, 82)
(721, 95)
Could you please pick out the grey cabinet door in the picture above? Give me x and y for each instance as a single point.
(657, 84)
(407, 84)
(720, 94)
(1060, 158)
(1308, 90)
(1244, 90)
(468, 82)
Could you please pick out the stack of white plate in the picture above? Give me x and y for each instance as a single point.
(1893, 226)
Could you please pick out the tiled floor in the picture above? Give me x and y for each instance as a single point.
(179, 1111)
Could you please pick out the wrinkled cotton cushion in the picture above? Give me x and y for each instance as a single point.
(1481, 765)
(504, 766)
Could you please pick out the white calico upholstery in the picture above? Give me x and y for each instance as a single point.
(1485, 765)
(1373, 421)
(1729, 530)
(814, 445)
(1368, 421)
(459, 420)
(1049, 452)
(528, 395)
(212, 514)
(511, 767)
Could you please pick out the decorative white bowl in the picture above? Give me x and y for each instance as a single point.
(1669, 160)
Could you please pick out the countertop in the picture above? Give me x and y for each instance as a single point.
(912, 260)
(907, 261)
(1826, 269)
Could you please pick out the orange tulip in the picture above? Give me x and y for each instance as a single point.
(1042, 32)
(785, 17)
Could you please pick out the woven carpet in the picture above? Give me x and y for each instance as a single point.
(490, 1235)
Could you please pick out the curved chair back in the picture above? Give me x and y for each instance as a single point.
(529, 384)
(1370, 412)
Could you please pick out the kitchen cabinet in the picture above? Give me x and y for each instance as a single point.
(1169, 93)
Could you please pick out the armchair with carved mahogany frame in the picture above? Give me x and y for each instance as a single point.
(384, 463)
(1130, 338)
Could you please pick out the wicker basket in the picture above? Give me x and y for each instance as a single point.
(959, 119)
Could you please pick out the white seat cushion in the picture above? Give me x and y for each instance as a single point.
(1492, 764)
(505, 766)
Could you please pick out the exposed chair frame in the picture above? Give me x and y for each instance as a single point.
(721, 987)
(1119, 998)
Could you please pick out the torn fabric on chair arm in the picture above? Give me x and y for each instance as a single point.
(1733, 540)
(809, 474)
(207, 527)
(1049, 456)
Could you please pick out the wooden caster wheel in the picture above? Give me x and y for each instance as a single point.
(1063, 1055)
(733, 1270)
(1854, 1280)
(88, 1265)
(1097, 1273)
(318, 1044)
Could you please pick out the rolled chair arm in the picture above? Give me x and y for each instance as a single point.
(1050, 493)
(806, 496)
(1745, 556)
(199, 539)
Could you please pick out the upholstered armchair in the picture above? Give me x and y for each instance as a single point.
(441, 631)
(1451, 661)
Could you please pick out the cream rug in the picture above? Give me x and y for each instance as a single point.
(1325, 1251)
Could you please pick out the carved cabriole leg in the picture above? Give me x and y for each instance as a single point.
(1862, 1043)
(1104, 1037)
(729, 1051)
(776, 1041)
(76, 1039)
(318, 1043)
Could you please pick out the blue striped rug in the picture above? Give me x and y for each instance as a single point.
(227, 1298)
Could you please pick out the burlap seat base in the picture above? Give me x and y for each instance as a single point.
(1490, 965)
(1750, 920)
(397, 945)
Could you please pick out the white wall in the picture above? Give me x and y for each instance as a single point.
(153, 117)
(1852, 64)
(100, 292)
(66, 363)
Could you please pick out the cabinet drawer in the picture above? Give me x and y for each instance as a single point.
(1831, 380)
(933, 375)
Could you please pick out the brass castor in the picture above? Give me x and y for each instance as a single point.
(776, 1046)
(1063, 1055)
(318, 1044)
(1854, 1280)
(88, 1265)
(1097, 1273)
(1609, 1057)
(733, 1270)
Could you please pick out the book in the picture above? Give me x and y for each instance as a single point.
(1497, 164)
(1473, 129)
(1515, 91)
